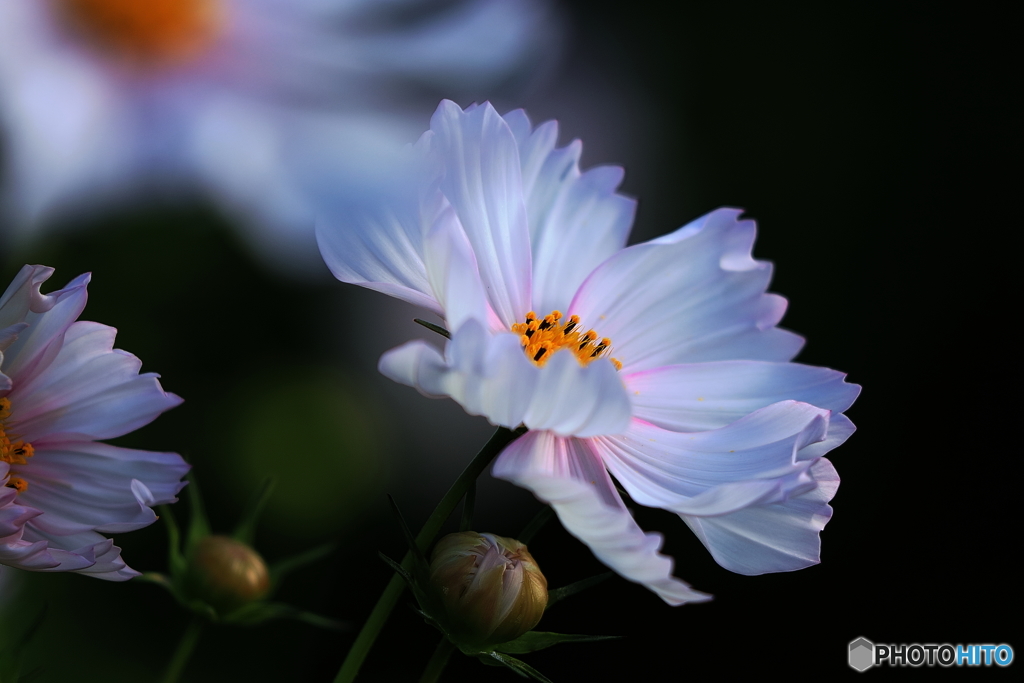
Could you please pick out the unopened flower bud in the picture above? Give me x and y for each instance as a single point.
(491, 587)
(227, 573)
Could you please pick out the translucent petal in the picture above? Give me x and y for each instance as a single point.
(566, 474)
(489, 375)
(694, 295)
(699, 396)
(482, 180)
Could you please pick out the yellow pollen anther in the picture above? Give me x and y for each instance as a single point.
(144, 32)
(12, 452)
(542, 338)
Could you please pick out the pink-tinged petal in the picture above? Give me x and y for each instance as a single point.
(87, 486)
(23, 295)
(453, 274)
(489, 375)
(482, 180)
(692, 296)
(755, 492)
(572, 400)
(36, 346)
(90, 390)
(840, 428)
(576, 220)
(30, 556)
(13, 516)
(749, 462)
(381, 248)
(566, 474)
(99, 557)
(700, 396)
(36, 556)
(775, 537)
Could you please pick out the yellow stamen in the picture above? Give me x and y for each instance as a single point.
(542, 338)
(13, 452)
(144, 32)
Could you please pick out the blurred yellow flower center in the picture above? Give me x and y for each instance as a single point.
(144, 32)
(11, 451)
(542, 338)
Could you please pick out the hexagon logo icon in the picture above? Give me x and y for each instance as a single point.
(862, 654)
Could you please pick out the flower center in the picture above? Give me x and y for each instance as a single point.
(144, 32)
(542, 338)
(12, 452)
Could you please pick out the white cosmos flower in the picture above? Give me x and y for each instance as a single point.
(248, 100)
(684, 395)
(62, 387)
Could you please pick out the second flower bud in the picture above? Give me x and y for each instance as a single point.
(491, 587)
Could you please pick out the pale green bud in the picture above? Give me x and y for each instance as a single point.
(227, 573)
(492, 589)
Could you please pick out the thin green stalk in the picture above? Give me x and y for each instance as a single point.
(437, 662)
(389, 598)
(186, 646)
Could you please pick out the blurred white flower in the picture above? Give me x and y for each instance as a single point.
(62, 387)
(251, 101)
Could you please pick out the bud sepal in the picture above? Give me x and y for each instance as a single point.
(485, 593)
(224, 578)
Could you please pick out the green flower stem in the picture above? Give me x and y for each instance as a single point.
(186, 646)
(389, 598)
(437, 662)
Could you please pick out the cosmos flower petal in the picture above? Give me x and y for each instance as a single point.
(840, 428)
(38, 557)
(700, 396)
(103, 557)
(489, 375)
(576, 219)
(34, 348)
(64, 385)
(12, 515)
(573, 400)
(23, 295)
(751, 461)
(114, 488)
(772, 537)
(89, 389)
(381, 247)
(482, 180)
(452, 270)
(715, 308)
(566, 474)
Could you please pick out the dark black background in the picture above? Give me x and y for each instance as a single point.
(875, 146)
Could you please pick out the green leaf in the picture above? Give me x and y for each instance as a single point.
(421, 569)
(246, 530)
(175, 560)
(399, 569)
(468, 504)
(282, 568)
(199, 527)
(204, 608)
(573, 588)
(157, 578)
(259, 612)
(433, 328)
(531, 641)
(519, 666)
